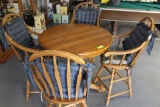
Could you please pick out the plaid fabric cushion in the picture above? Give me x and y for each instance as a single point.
(86, 16)
(19, 33)
(62, 68)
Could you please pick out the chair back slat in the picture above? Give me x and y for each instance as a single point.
(122, 60)
(47, 77)
(78, 81)
(41, 79)
(85, 90)
(36, 80)
(111, 59)
(57, 76)
(69, 78)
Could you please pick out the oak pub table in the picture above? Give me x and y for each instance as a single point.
(86, 41)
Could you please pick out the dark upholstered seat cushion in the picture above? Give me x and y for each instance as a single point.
(86, 15)
(137, 37)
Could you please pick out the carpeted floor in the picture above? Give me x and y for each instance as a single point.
(145, 82)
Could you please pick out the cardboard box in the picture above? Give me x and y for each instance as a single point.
(49, 7)
(50, 16)
(57, 18)
(39, 21)
(65, 18)
(38, 31)
(64, 10)
(58, 8)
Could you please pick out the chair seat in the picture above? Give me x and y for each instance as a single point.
(116, 59)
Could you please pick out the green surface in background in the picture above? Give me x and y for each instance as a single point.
(134, 5)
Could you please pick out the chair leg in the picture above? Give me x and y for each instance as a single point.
(59, 105)
(27, 90)
(115, 75)
(99, 72)
(80, 104)
(110, 87)
(74, 105)
(50, 104)
(83, 104)
(54, 105)
(129, 82)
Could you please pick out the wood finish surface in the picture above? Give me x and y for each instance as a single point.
(83, 40)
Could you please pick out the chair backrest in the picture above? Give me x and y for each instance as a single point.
(60, 75)
(130, 55)
(139, 34)
(18, 35)
(86, 13)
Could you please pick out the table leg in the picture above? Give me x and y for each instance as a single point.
(91, 60)
(114, 26)
(94, 86)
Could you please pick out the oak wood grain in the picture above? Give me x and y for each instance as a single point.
(80, 39)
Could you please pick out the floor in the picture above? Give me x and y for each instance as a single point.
(145, 82)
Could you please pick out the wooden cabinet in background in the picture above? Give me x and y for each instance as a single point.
(5, 55)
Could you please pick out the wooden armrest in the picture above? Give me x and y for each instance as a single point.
(20, 46)
(122, 36)
(123, 52)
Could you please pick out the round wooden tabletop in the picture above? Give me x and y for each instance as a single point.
(84, 40)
